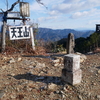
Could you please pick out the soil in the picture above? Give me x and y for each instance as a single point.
(27, 77)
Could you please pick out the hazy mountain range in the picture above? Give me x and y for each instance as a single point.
(57, 34)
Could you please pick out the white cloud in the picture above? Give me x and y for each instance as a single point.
(75, 6)
(56, 7)
(94, 22)
(36, 7)
(52, 2)
(70, 1)
(79, 14)
(42, 19)
(88, 10)
(92, 12)
(54, 13)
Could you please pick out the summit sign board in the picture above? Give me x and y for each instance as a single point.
(98, 28)
(20, 32)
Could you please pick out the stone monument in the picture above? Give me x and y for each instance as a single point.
(72, 73)
(70, 43)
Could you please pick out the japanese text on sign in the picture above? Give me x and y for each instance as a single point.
(19, 32)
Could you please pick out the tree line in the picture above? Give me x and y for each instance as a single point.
(88, 44)
(84, 45)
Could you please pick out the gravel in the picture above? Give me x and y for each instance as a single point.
(36, 78)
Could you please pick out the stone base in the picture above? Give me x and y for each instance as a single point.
(72, 77)
(72, 62)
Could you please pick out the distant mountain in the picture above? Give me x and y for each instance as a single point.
(57, 34)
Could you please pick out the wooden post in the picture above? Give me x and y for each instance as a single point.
(3, 43)
(32, 39)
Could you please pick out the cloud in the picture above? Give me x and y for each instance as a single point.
(78, 5)
(54, 13)
(52, 2)
(92, 12)
(56, 7)
(70, 1)
(94, 22)
(42, 19)
(36, 7)
(79, 14)
(48, 3)
(88, 10)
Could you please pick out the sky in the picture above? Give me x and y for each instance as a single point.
(62, 14)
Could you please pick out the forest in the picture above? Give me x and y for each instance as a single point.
(84, 45)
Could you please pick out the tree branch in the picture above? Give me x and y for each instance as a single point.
(1, 10)
(39, 1)
(13, 6)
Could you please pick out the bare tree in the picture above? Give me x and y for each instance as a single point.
(39, 1)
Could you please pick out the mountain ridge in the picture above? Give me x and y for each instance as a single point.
(48, 34)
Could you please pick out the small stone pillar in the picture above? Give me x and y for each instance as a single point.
(72, 73)
(70, 43)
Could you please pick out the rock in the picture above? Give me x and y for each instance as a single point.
(98, 71)
(40, 65)
(52, 86)
(19, 59)
(11, 60)
(1, 93)
(66, 88)
(52, 95)
(13, 96)
(56, 64)
(82, 58)
(12, 74)
(31, 66)
(4, 67)
(89, 53)
(80, 97)
(63, 94)
(17, 89)
(98, 96)
(4, 58)
(43, 87)
(39, 78)
(78, 53)
(55, 61)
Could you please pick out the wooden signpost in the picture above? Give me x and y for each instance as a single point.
(18, 32)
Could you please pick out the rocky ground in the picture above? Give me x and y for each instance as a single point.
(24, 77)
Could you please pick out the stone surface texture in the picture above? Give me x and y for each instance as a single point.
(72, 62)
(72, 72)
(70, 43)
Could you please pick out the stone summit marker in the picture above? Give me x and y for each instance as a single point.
(72, 73)
(70, 43)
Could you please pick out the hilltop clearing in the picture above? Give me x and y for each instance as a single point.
(25, 77)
